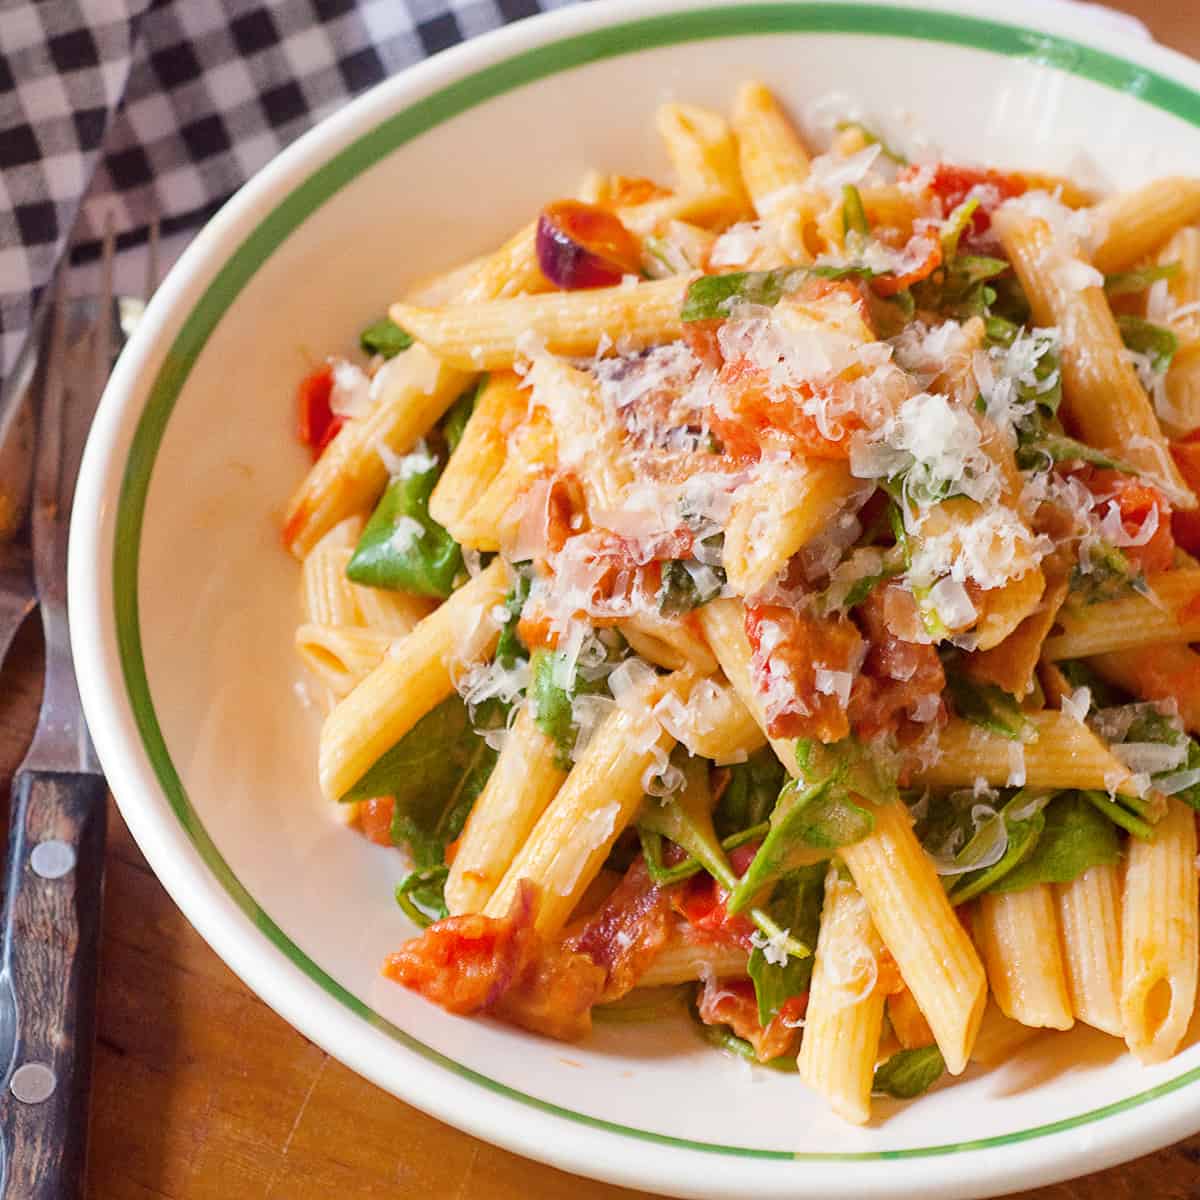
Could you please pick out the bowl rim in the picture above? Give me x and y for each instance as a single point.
(103, 593)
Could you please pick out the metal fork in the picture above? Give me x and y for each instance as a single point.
(50, 932)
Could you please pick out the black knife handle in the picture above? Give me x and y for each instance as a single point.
(51, 954)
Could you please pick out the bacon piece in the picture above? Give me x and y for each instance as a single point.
(476, 964)
(897, 675)
(732, 1002)
(789, 647)
(627, 933)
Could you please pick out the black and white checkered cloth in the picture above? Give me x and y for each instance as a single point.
(163, 108)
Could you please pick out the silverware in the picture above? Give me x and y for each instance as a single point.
(50, 931)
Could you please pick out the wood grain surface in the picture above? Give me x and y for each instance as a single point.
(202, 1093)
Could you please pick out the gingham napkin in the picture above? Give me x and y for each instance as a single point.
(165, 107)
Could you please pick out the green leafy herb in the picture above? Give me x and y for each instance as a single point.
(664, 876)
(434, 774)
(553, 687)
(721, 1037)
(1040, 450)
(854, 215)
(510, 648)
(751, 792)
(1081, 674)
(686, 584)
(710, 296)
(961, 287)
(988, 706)
(384, 337)
(1119, 815)
(422, 895)
(1076, 838)
(1157, 342)
(1110, 574)
(454, 423)
(795, 905)
(955, 226)
(871, 138)
(1124, 283)
(909, 1073)
(1023, 823)
(403, 547)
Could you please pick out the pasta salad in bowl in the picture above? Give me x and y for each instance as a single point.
(739, 612)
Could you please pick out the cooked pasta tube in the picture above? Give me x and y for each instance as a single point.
(409, 682)
(416, 391)
(601, 795)
(1102, 396)
(1181, 414)
(522, 783)
(704, 153)
(777, 515)
(1165, 672)
(685, 958)
(920, 929)
(1000, 1037)
(480, 454)
(329, 597)
(1089, 917)
(670, 642)
(1159, 936)
(512, 270)
(1064, 754)
(1133, 224)
(1173, 302)
(844, 1017)
(393, 613)
(1017, 933)
(908, 1021)
(486, 336)
(1131, 620)
(341, 656)
(770, 152)
(716, 724)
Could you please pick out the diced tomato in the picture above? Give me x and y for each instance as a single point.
(566, 510)
(701, 339)
(472, 964)
(582, 245)
(1185, 523)
(701, 902)
(953, 184)
(732, 1002)
(1135, 500)
(318, 424)
(789, 647)
(924, 250)
(897, 676)
(375, 819)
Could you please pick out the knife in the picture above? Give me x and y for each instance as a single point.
(50, 927)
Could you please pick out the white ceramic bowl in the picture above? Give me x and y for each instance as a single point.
(183, 603)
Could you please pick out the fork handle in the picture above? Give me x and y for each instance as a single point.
(51, 954)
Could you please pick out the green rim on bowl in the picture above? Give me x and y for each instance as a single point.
(366, 151)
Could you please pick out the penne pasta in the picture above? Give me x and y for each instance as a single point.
(523, 782)
(703, 151)
(1000, 1037)
(844, 1017)
(409, 682)
(716, 724)
(329, 597)
(1063, 754)
(1017, 934)
(685, 958)
(773, 160)
(496, 334)
(1169, 672)
(670, 642)
(341, 656)
(1168, 613)
(1101, 394)
(1089, 918)
(1159, 937)
(1134, 224)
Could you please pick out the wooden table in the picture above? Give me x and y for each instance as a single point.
(202, 1092)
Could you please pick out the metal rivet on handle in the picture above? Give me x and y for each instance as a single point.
(52, 859)
(33, 1083)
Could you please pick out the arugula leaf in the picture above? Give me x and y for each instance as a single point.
(871, 138)
(1124, 283)
(510, 648)
(751, 792)
(962, 287)
(909, 1073)
(1037, 451)
(1157, 342)
(1119, 815)
(1076, 838)
(551, 695)
(1111, 575)
(955, 226)
(1023, 832)
(664, 876)
(454, 423)
(810, 819)
(403, 547)
(988, 706)
(434, 774)
(1011, 304)
(421, 894)
(721, 1037)
(686, 584)
(1079, 674)
(854, 215)
(795, 906)
(384, 337)
(710, 297)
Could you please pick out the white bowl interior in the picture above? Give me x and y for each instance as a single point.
(219, 602)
